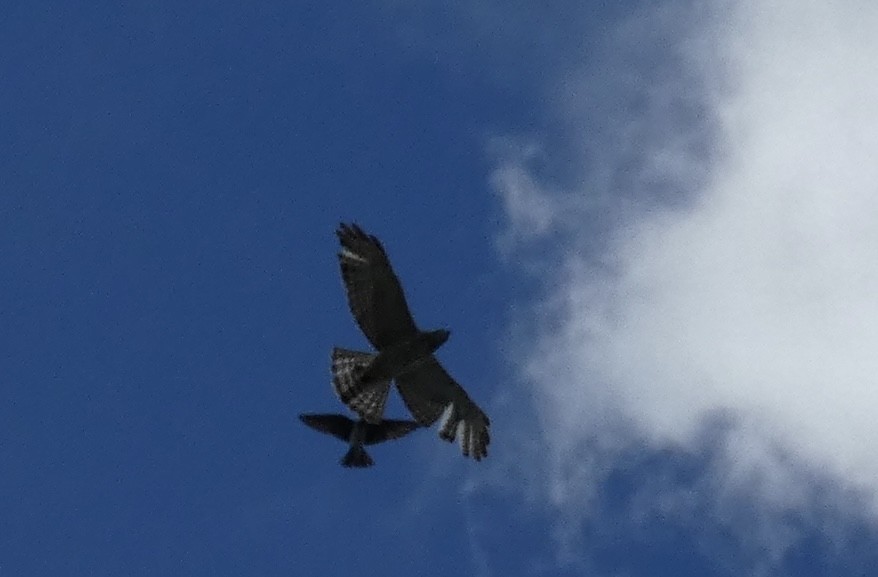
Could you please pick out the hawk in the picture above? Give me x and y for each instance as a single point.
(404, 353)
(358, 433)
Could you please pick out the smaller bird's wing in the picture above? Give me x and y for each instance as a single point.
(389, 429)
(338, 426)
(375, 296)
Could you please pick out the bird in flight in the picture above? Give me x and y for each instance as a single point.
(358, 433)
(404, 353)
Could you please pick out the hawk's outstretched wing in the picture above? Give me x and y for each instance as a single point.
(388, 430)
(429, 391)
(374, 294)
(338, 426)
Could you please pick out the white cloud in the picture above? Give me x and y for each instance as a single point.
(754, 291)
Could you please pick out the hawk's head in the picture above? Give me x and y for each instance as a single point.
(437, 338)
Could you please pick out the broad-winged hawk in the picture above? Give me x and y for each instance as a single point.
(404, 352)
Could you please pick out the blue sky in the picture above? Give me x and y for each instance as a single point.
(648, 228)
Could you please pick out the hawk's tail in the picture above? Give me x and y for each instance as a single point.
(366, 400)
(357, 457)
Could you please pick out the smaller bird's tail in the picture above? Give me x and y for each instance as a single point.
(357, 457)
(367, 400)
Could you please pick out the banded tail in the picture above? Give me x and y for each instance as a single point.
(366, 400)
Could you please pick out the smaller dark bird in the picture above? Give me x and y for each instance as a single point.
(358, 433)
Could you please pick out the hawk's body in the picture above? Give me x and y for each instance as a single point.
(358, 433)
(400, 357)
(404, 353)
